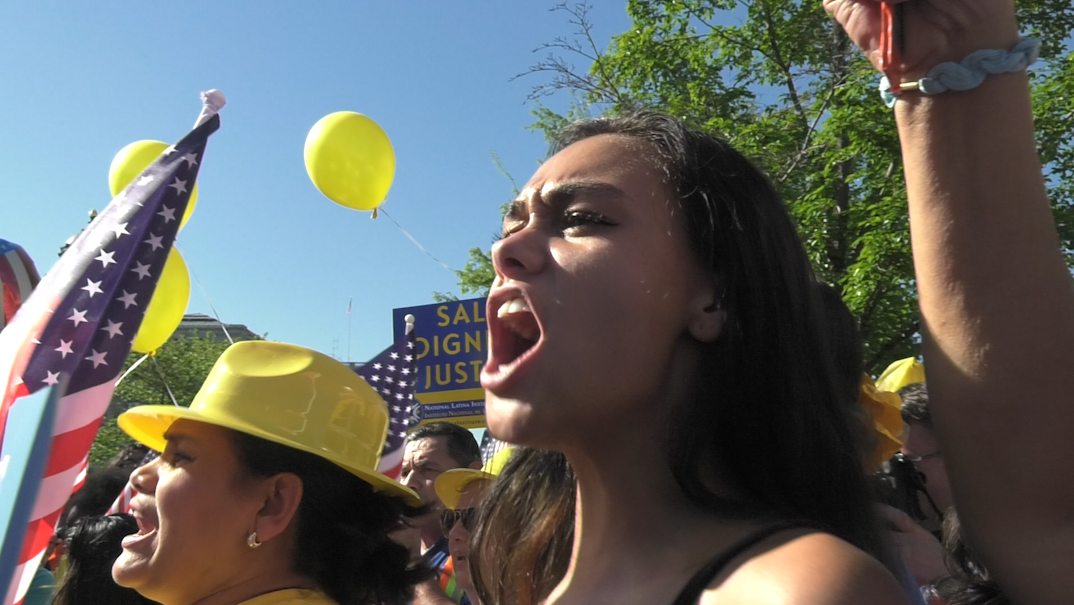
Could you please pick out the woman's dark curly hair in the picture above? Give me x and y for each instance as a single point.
(342, 541)
(93, 545)
(970, 583)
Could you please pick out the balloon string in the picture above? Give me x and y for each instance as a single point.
(131, 369)
(205, 295)
(162, 379)
(416, 243)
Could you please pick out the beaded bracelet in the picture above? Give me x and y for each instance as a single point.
(968, 74)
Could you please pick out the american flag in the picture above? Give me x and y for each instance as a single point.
(122, 505)
(394, 374)
(18, 277)
(490, 446)
(81, 320)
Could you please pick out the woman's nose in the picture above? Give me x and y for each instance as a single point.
(144, 478)
(459, 532)
(522, 253)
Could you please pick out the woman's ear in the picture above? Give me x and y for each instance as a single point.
(283, 495)
(708, 317)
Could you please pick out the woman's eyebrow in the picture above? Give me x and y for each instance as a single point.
(562, 194)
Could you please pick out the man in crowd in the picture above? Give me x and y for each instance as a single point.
(431, 450)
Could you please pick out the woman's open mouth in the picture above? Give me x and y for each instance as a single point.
(147, 529)
(514, 339)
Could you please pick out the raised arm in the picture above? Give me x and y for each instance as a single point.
(996, 297)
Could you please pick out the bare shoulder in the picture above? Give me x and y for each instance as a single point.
(803, 568)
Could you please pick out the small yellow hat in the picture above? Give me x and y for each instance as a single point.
(449, 484)
(288, 395)
(901, 373)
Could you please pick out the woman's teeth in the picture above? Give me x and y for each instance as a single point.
(515, 305)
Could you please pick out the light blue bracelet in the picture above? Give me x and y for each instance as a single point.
(970, 73)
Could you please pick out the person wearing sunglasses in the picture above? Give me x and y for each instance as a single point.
(461, 491)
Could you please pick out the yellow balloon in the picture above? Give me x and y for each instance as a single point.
(167, 306)
(132, 160)
(350, 160)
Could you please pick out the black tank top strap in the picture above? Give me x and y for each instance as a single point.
(704, 576)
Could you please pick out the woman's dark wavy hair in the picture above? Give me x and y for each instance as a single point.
(93, 545)
(970, 583)
(766, 417)
(342, 529)
(521, 544)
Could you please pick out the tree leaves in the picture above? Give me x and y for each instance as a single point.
(781, 82)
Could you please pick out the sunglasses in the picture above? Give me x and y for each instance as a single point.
(448, 518)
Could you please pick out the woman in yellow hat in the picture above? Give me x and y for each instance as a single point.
(266, 492)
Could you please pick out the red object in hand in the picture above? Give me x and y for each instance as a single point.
(891, 44)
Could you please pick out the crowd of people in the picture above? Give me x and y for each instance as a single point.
(685, 396)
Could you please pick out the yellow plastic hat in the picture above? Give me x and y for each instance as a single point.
(884, 408)
(902, 373)
(450, 484)
(288, 395)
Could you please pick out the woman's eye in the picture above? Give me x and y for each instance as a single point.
(176, 458)
(583, 218)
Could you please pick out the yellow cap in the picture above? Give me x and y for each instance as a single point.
(449, 484)
(288, 395)
(901, 373)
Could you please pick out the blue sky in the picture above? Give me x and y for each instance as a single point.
(82, 81)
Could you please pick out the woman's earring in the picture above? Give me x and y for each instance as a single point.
(251, 540)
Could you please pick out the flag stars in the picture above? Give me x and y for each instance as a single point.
(93, 287)
(191, 159)
(52, 378)
(377, 366)
(394, 355)
(127, 299)
(391, 368)
(167, 213)
(106, 258)
(155, 241)
(78, 316)
(141, 270)
(97, 358)
(65, 348)
(179, 185)
(113, 329)
(120, 229)
(375, 378)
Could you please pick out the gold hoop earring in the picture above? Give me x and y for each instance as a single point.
(251, 540)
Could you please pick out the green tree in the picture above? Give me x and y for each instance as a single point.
(181, 365)
(782, 83)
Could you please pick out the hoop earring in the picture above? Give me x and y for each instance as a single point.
(251, 540)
